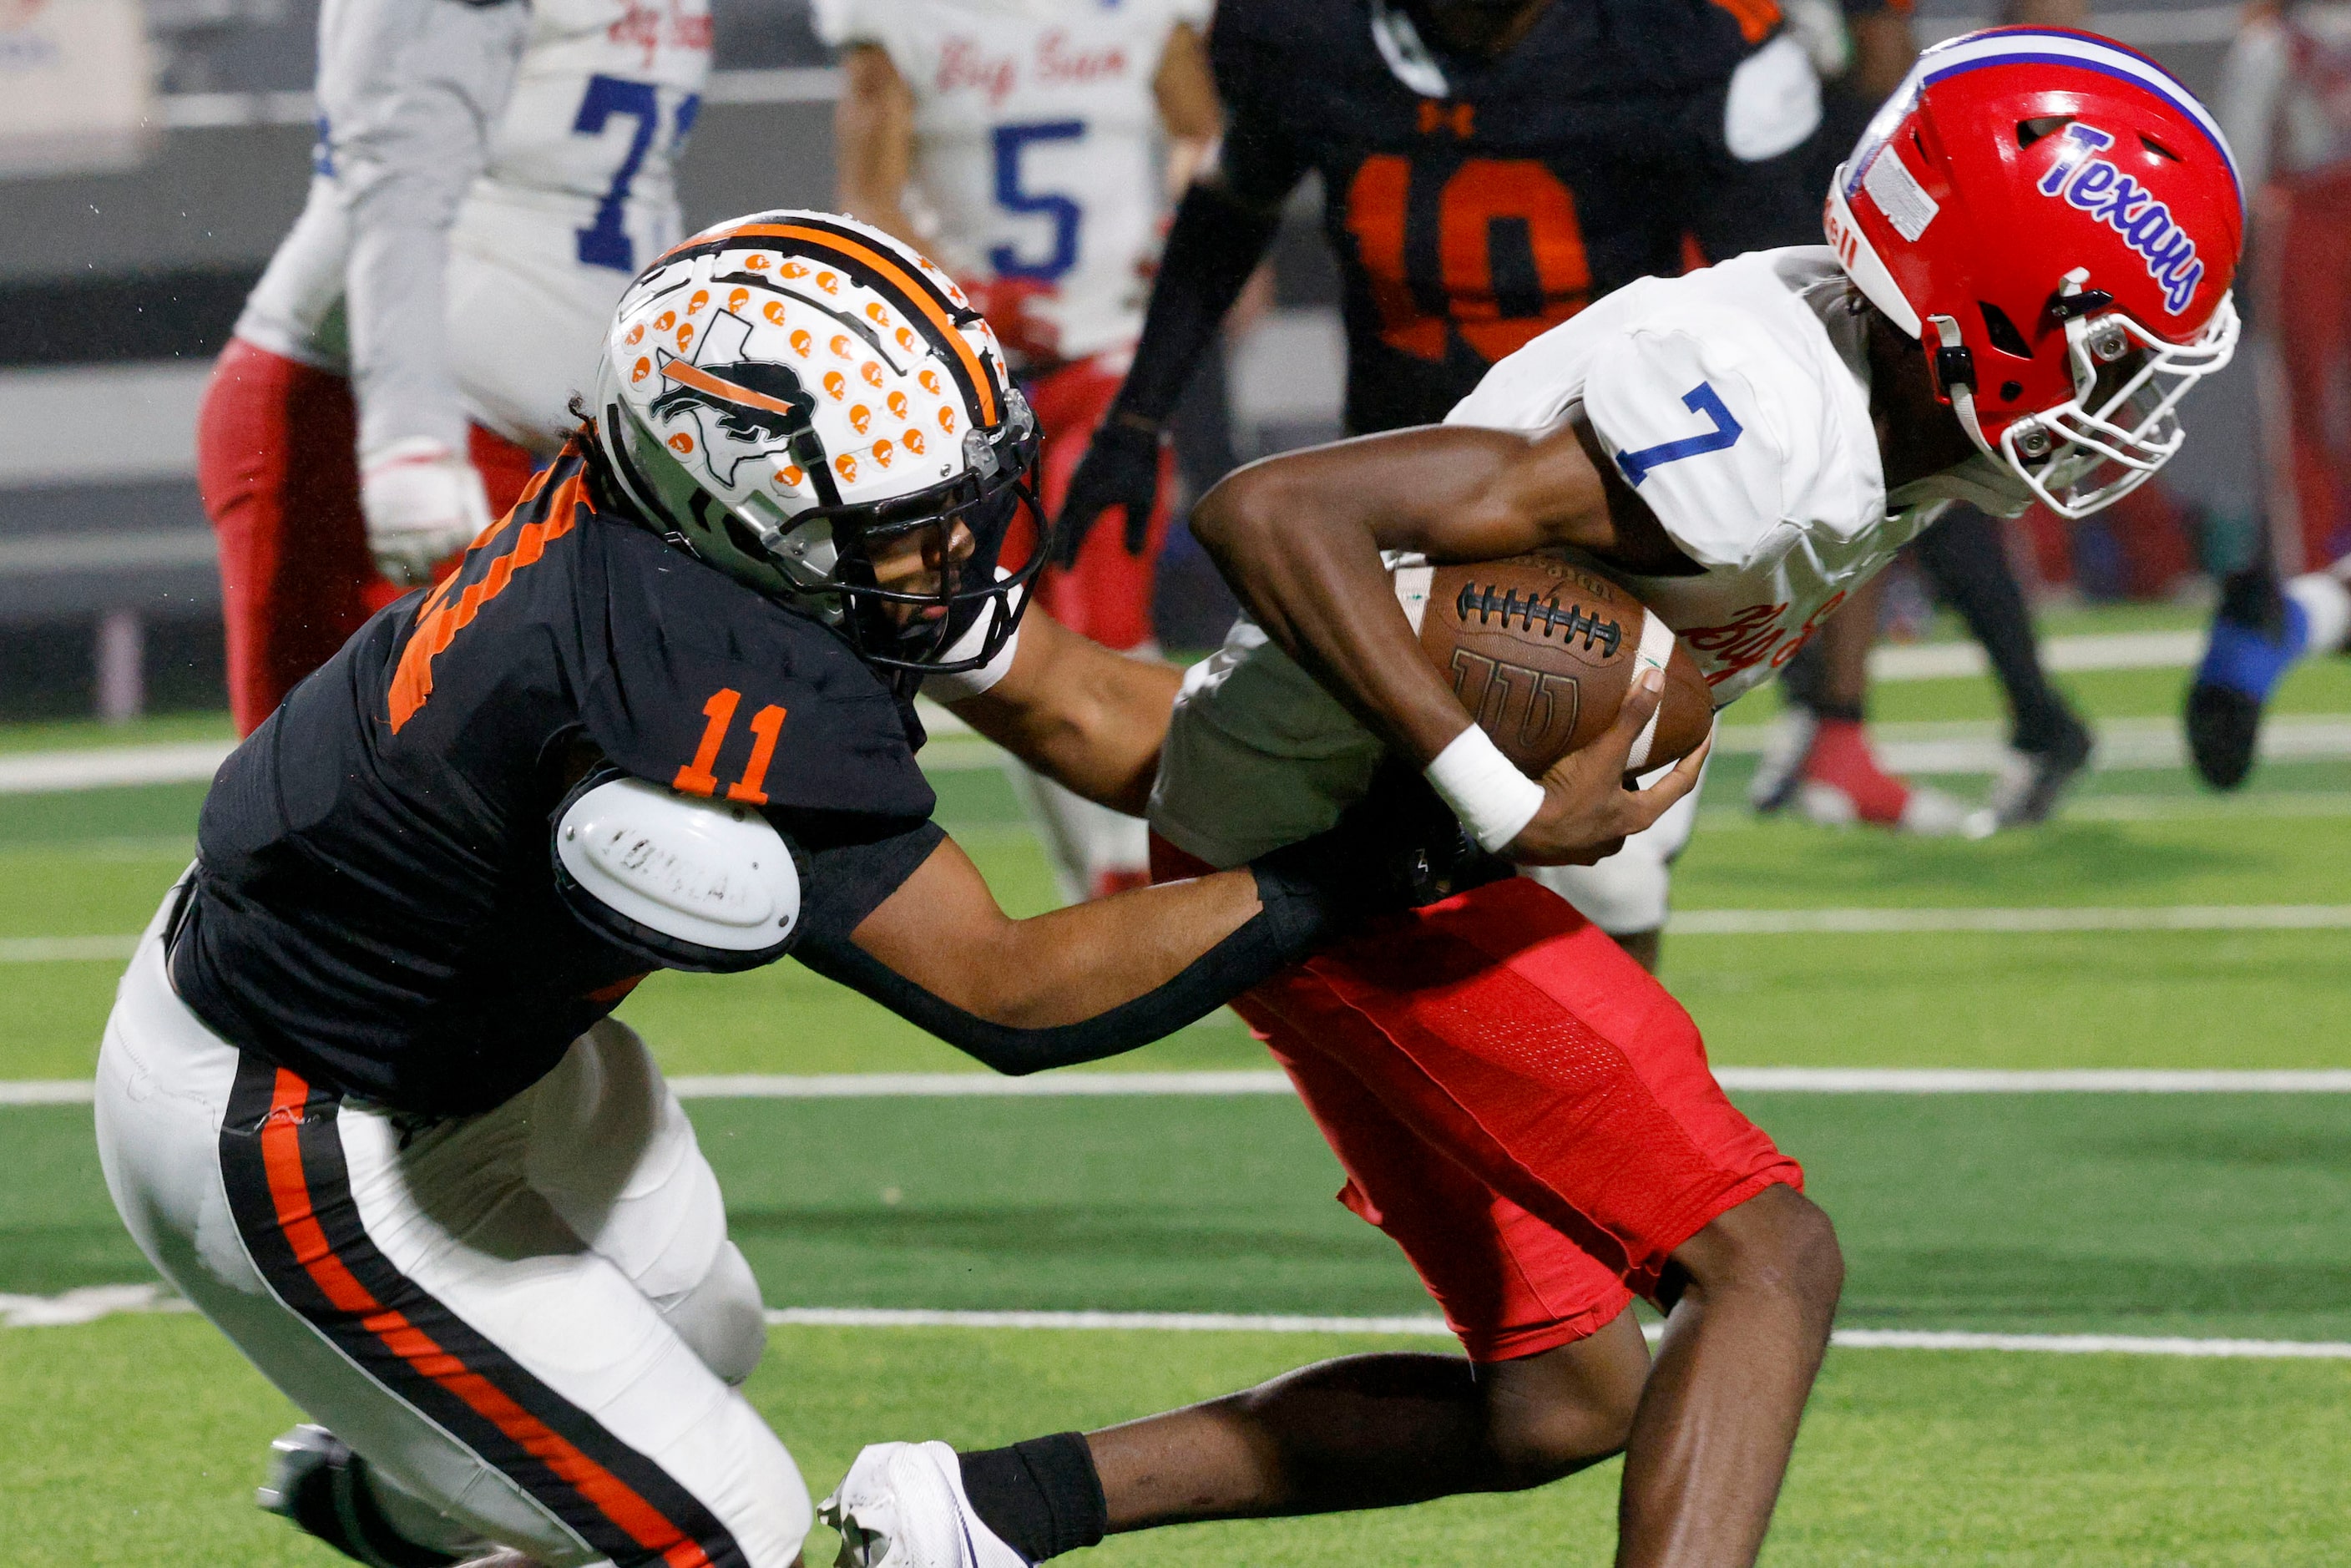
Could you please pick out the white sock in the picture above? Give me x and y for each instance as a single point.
(1083, 840)
(2326, 600)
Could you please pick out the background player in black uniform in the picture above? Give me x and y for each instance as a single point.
(360, 1099)
(1489, 167)
(1821, 744)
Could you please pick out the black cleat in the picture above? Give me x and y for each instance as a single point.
(2224, 727)
(318, 1482)
(2256, 636)
(2028, 790)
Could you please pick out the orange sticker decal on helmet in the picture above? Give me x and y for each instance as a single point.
(686, 335)
(882, 453)
(905, 340)
(859, 416)
(842, 347)
(836, 385)
(829, 281)
(664, 321)
(701, 298)
(791, 475)
(737, 300)
(871, 373)
(681, 443)
(757, 264)
(929, 381)
(897, 405)
(876, 314)
(913, 442)
(640, 370)
(636, 335)
(847, 467)
(946, 420)
(774, 311)
(803, 344)
(792, 269)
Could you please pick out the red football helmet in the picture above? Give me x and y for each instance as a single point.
(2057, 220)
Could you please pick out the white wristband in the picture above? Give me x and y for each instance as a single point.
(1484, 788)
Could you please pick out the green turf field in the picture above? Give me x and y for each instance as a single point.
(136, 1440)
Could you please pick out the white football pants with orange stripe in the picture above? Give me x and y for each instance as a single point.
(530, 1322)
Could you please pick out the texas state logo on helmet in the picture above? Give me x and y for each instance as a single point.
(787, 392)
(2058, 221)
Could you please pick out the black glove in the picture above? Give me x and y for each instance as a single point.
(1121, 468)
(1399, 847)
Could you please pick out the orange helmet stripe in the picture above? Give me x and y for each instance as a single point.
(911, 292)
(703, 381)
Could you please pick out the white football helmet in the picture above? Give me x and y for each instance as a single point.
(784, 392)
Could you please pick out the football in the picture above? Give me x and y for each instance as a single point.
(1541, 652)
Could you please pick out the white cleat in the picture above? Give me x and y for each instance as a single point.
(902, 1505)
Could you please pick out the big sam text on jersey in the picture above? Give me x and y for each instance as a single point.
(966, 63)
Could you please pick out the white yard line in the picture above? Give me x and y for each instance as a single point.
(1686, 923)
(95, 1301)
(1222, 1085)
(2094, 650)
(2032, 1081)
(1434, 1328)
(107, 766)
(960, 1085)
(64, 949)
(1874, 922)
(2124, 745)
(88, 1304)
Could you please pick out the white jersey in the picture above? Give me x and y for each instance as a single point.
(2284, 99)
(1736, 401)
(487, 186)
(1036, 144)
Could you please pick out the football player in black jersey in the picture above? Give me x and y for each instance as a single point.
(360, 1099)
(1489, 167)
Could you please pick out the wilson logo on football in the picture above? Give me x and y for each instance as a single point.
(2094, 185)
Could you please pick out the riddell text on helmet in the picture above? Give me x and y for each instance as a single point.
(2096, 186)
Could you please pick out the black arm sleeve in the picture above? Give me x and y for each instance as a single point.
(1214, 245)
(1386, 855)
(1278, 935)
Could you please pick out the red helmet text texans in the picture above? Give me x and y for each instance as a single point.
(2057, 220)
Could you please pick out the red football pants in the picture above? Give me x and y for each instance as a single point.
(276, 462)
(1106, 595)
(2305, 311)
(1522, 1108)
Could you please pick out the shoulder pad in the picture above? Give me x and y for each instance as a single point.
(687, 884)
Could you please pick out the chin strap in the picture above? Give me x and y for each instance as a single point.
(1955, 374)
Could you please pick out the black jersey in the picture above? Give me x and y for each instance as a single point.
(1469, 221)
(375, 903)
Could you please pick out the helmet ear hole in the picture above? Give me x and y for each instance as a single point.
(2159, 148)
(2029, 132)
(2002, 331)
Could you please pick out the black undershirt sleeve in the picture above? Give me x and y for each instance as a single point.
(855, 863)
(1382, 856)
(1222, 229)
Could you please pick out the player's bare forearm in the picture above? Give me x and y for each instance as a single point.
(873, 134)
(1185, 91)
(1299, 539)
(1086, 717)
(943, 930)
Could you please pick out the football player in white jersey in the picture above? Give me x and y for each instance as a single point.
(489, 176)
(1033, 148)
(2285, 96)
(2030, 254)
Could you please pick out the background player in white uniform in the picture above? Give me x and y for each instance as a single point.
(1514, 1102)
(488, 179)
(2285, 96)
(1033, 147)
